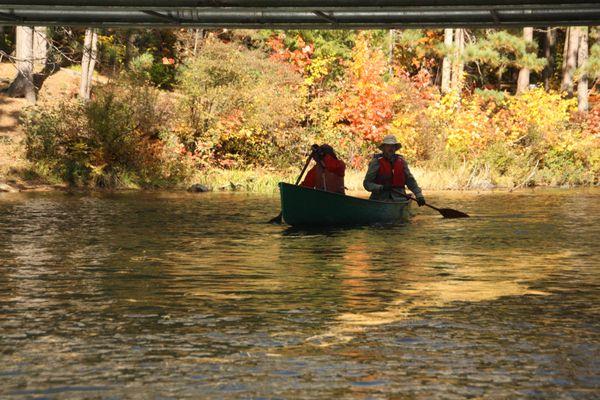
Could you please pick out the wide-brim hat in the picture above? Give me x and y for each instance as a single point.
(390, 139)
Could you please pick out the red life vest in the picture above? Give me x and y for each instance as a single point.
(388, 175)
(329, 181)
(328, 176)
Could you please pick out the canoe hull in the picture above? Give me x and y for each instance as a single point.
(310, 207)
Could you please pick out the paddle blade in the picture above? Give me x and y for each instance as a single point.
(277, 220)
(450, 213)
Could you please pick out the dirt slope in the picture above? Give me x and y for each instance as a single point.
(63, 84)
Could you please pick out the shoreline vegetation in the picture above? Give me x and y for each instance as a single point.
(265, 182)
(240, 113)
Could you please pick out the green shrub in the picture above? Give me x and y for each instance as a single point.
(163, 76)
(239, 107)
(145, 70)
(140, 66)
(119, 138)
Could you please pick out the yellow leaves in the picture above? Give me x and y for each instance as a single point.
(464, 136)
(533, 121)
(537, 112)
(405, 128)
(315, 73)
(97, 170)
(446, 107)
(318, 69)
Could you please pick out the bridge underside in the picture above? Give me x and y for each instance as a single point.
(300, 14)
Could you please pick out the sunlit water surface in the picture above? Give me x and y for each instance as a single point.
(177, 295)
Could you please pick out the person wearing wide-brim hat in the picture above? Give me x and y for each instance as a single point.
(388, 174)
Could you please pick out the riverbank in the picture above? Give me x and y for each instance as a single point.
(17, 173)
(265, 182)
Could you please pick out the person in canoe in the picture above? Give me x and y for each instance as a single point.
(328, 172)
(388, 174)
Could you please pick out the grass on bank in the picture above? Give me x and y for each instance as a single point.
(265, 180)
(431, 176)
(460, 177)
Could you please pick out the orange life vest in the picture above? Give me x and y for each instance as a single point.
(388, 174)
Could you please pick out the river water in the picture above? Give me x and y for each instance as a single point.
(138, 295)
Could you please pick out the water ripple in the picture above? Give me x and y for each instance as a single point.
(180, 296)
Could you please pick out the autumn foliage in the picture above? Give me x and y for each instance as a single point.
(366, 100)
(245, 102)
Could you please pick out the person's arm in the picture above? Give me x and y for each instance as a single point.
(411, 183)
(369, 181)
(335, 166)
(341, 168)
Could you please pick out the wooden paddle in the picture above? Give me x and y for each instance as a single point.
(278, 218)
(446, 212)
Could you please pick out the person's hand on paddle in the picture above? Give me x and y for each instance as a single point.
(421, 201)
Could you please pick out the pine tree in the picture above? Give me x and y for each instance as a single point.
(549, 50)
(458, 62)
(501, 50)
(570, 59)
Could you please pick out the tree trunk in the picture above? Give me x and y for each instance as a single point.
(198, 35)
(549, 49)
(129, 47)
(458, 65)
(391, 51)
(572, 41)
(447, 63)
(85, 64)
(523, 79)
(22, 85)
(88, 62)
(582, 56)
(40, 46)
(565, 52)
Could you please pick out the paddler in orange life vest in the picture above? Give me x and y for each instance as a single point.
(328, 171)
(388, 173)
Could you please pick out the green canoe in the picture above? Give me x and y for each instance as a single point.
(302, 206)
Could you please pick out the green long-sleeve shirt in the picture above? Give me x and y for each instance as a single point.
(377, 192)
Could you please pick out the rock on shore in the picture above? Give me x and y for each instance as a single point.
(7, 188)
(199, 188)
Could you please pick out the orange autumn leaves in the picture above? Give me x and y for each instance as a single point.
(299, 58)
(366, 102)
